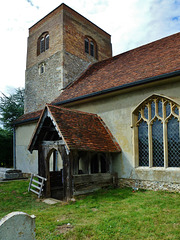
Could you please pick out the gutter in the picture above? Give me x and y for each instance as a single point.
(124, 86)
(27, 120)
(105, 91)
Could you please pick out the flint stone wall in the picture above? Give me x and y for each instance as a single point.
(150, 185)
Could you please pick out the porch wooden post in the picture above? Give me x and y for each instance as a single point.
(67, 172)
(43, 168)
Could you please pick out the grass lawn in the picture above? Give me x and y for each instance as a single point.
(106, 214)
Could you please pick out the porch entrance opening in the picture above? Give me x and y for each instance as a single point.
(56, 175)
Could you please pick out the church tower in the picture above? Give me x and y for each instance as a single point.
(60, 47)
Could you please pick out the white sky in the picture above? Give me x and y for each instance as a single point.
(131, 23)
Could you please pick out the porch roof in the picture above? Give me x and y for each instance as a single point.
(79, 130)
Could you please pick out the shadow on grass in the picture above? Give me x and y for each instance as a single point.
(109, 194)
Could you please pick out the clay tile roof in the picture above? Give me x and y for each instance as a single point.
(83, 131)
(154, 59)
(32, 116)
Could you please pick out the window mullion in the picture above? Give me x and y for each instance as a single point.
(165, 139)
(150, 144)
(150, 136)
(165, 144)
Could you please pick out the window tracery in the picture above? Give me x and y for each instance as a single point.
(158, 133)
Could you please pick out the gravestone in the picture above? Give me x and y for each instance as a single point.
(17, 225)
(10, 173)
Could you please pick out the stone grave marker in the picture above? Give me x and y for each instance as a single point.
(17, 225)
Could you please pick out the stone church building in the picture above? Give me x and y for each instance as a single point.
(93, 120)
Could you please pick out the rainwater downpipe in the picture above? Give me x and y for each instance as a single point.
(14, 147)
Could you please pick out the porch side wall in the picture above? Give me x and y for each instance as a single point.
(25, 161)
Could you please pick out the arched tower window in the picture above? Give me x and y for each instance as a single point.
(157, 133)
(90, 46)
(43, 43)
(47, 42)
(86, 42)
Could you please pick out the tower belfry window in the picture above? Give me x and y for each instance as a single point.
(47, 42)
(86, 41)
(90, 47)
(43, 43)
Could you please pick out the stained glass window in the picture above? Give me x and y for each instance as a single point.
(160, 109)
(143, 144)
(157, 139)
(152, 109)
(146, 112)
(173, 143)
(168, 109)
(171, 137)
(176, 110)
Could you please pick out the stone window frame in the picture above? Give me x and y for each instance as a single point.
(42, 68)
(164, 120)
(90, 46)
(43, 43)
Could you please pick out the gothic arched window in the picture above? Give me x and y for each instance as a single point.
(43, 43)
(157, 133)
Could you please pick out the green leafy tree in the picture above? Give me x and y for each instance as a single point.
(11, 107)
(6, 146)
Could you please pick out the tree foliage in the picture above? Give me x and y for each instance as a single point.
(6, 146)
(11, 107)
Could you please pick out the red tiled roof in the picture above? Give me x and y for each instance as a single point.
(32, 116)
(154, 59)
(82, 131)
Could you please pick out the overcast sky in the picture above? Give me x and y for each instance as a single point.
(131, 23)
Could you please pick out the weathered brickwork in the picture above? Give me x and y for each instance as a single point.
(65, 59)
(74, 35)
(54, 26)
(150, 185)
